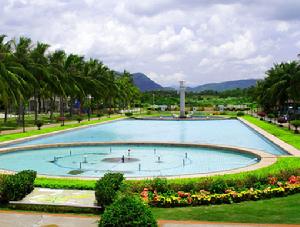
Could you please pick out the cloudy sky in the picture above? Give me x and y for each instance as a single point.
(199, 41)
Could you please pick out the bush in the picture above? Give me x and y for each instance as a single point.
(16, 187)
(100, 115)
(296, 124)
(128, 114)
(39, 124)
(159, 184)
(127, 210)
(79, 119)
(239, 114)
(107, 187)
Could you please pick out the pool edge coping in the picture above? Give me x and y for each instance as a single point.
(274, 139)
(265, 159)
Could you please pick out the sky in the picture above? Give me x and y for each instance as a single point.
(199, 41)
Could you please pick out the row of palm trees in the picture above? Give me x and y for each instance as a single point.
(279, 92)
(30, 71)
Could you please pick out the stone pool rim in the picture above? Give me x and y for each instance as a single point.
(264, 159)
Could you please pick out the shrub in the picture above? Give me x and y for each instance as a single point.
(218, 186)
(128, 114)
(107, 187)
(296, 124)
(127, 210)
(39, 124)
(159, 184)
(16, 187)
(239, 114)
(79, 119)
(100, 115)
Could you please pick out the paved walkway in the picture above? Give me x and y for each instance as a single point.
(32, 128)
(58, 197)
(33, 219)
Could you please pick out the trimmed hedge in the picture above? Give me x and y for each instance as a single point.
(127, 210)
(107, 187)
(16, 187)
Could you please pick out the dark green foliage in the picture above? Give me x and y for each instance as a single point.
(239, 114)
(159, 184)
(127, 210)
(79, 119)
(296, 124)
(39, 124)
(15, 187)
(129, 114)
(218, 186)
(107, 187)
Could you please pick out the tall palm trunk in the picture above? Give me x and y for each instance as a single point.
(62, 112)
(35, 107)
(71, 106)
(5, 113)
(52, 106)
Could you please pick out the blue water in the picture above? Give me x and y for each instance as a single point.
(220, 132)
(145, 161)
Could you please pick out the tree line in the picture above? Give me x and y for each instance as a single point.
(29, 71)
(279, 92)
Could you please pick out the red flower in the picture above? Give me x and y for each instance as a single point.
(293, 180)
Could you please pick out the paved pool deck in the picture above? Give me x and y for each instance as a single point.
(34, 219)
(285, 146)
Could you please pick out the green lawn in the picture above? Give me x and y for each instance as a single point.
(284, 210)
(14, 136)
(284, 134)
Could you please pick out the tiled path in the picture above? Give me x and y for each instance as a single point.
(76, 198)
(23, 219)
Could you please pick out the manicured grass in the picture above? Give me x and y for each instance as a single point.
(278, 210)
(284, 134)
(287, 164)
(14, 136)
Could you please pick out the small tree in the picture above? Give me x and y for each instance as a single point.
(39, 124)
(79, 119)
(296, 124)
(271, 116)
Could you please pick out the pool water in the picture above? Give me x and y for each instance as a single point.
(139, 160)
(219, 132)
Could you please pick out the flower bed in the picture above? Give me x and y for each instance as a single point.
(180, 199)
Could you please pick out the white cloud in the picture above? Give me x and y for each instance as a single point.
(167, 58)
(240, 47)
(282, 26)
(198, 41)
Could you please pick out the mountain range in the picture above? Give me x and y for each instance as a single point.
(144, 83)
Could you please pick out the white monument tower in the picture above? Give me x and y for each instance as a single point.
(182, 99)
